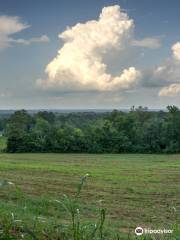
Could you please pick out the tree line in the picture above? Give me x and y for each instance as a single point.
(136, 131)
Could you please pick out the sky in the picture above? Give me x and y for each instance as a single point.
(83, 54)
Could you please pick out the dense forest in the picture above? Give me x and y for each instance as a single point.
(136, 131)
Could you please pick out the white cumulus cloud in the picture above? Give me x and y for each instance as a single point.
(176, 51)
(172, 90)
(170, 72)
(9, 25)
(79, 63)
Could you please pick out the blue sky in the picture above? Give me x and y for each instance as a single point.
(156, 30)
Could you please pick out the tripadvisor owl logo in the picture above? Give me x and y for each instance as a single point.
(139, 231)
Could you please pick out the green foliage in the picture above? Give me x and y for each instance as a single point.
(136, 131)
(2, 143)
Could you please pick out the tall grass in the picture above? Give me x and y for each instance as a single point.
(13, 227)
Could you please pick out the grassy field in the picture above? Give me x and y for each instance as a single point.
(137, 190)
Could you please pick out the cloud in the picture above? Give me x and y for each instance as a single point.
(79, 63)
(169, 72)
(176, 51)
(42, 39)
(165, 77)
(171, 91)
(152, 43)
(10, 25)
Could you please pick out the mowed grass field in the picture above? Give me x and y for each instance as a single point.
(137, 190)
